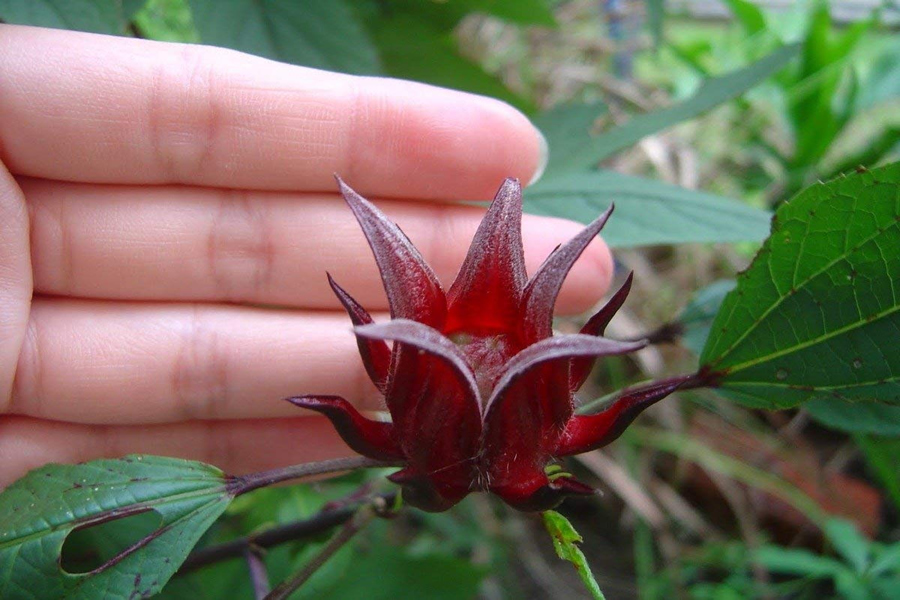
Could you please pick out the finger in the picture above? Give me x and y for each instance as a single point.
(203, 244)
(236, 447)
(105, 362)
(15, 278)
(83, 107)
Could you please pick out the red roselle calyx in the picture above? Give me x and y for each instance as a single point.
(480, 391)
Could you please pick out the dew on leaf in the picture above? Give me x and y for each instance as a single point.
(857, 363)
(781, 374)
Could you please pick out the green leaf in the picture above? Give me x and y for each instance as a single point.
(412, 48)
(712, 93)
(315, 33)
(848, 542)
(647, 211)
(565, 542)
(853, 417)
(656, 16)
(447, 15)
(131, 7)
(791, 561)
(849, 586)
(816, 315)
(97, 16)
(697, 317)
(522, 12)
(387, 573)
(749, 15)
(887, 558)
(567, 129)
(881, 456)
(167, 21)
(44, 507)
(883, 81)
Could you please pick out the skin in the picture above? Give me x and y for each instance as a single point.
(167, 216)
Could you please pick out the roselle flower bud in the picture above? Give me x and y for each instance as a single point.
(480, 391)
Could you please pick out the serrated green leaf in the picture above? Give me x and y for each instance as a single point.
(697, 317)
(817, 314)
(711, 93)
(41, 509)
(565, 542)
(96, 16)
(315, 33)
(647, 211)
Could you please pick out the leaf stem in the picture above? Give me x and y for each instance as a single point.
(362, 517)
(242, 484)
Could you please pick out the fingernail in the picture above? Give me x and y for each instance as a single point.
(543, 157)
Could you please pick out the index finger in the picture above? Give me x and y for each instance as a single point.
(93, 108)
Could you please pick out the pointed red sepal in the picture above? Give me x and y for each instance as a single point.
(570, 486)
(488, 289)
(374, 439)
(543, 288)
(557, 351)
(531, 404)
(596, 325)
(426, 494)
(589, 432)
(538, 492)
(433, 398)
(375, 354)
(412, 289)
(435, 344)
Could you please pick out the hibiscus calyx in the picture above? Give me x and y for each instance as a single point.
(480, 391)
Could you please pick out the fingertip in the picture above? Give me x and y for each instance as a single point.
(481, 141)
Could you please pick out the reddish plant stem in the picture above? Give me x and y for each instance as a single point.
(242, 484)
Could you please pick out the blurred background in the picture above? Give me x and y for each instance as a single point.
(703, 497)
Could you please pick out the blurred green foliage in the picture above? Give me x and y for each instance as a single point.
(822, 103)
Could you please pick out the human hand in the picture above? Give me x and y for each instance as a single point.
(167, 215)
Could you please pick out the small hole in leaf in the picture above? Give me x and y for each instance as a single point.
(90, 547)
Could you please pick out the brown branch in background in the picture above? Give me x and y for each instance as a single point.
(669, 333)
(362, 517)
(320, 523)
